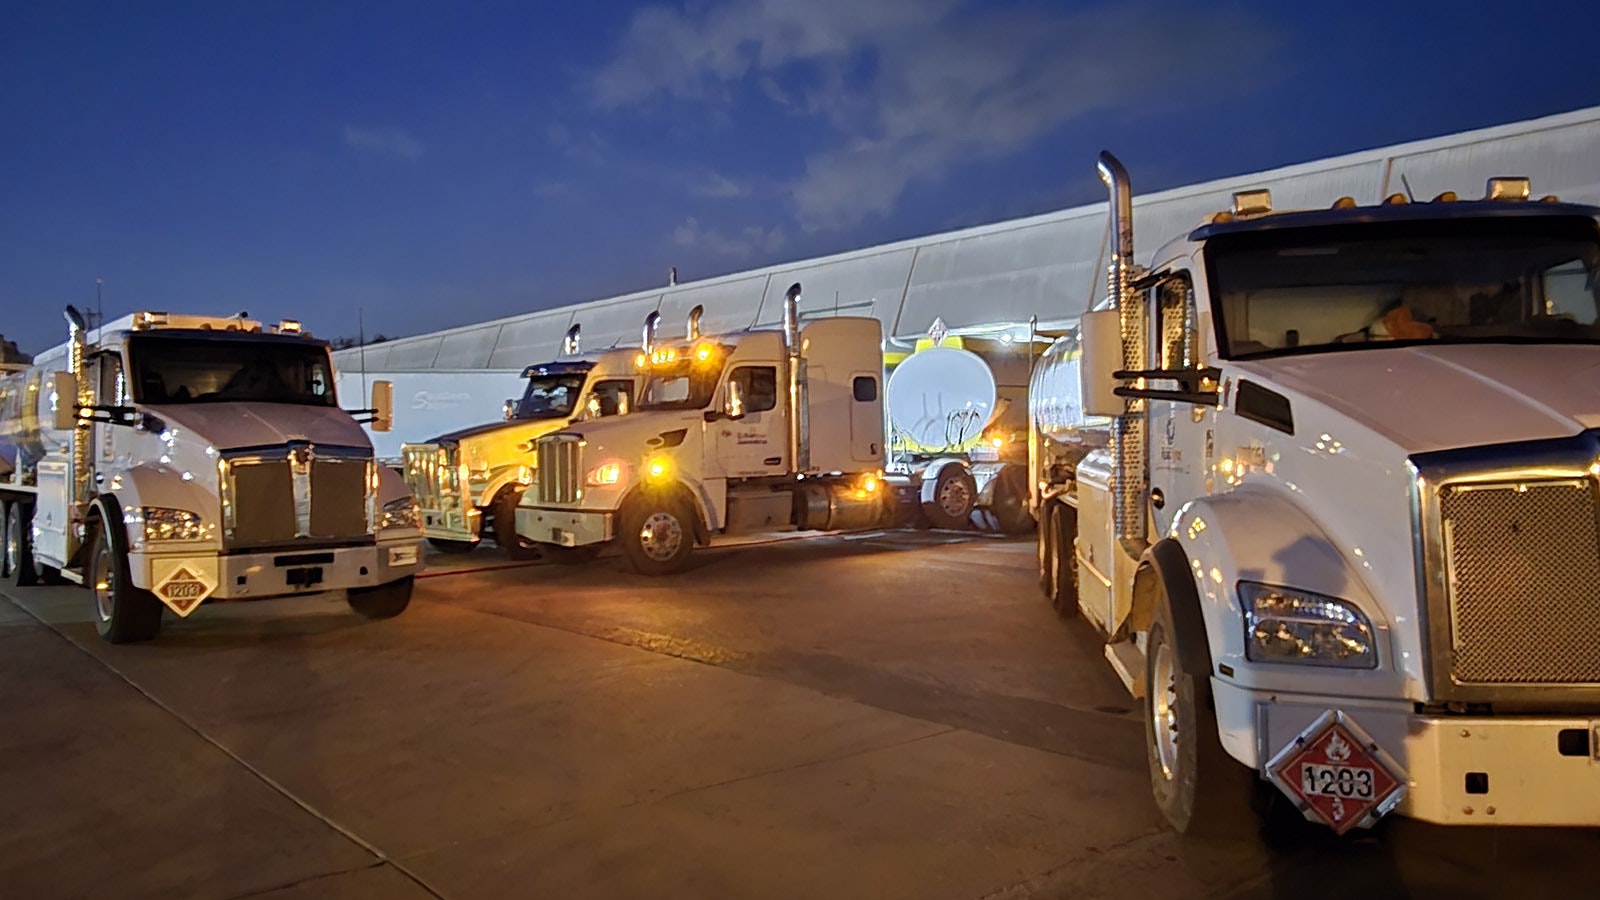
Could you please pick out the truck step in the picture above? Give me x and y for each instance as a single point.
(71, 575)
(1128, 663)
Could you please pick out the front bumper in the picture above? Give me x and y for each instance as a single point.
(1460, 770)
(565, 527)
(452, 524)
(249, 576)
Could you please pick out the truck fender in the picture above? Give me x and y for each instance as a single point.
(1260, 535)
(1166, 565)
(930, 476)
(685, 493)
(391, 486)
(500, 478)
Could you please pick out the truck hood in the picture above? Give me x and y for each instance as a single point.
(229, 426)
(551, 423)
(1449, 396)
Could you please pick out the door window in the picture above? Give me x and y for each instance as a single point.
(758, 386)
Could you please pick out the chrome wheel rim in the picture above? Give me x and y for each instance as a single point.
(104, 586)
(954, 498)
(661, 536)
(1164, 710)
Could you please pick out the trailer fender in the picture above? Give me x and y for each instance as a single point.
(930, 476)
(1261, 535)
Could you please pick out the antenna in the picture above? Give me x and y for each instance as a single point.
(1407, 185)
(361, 341)
(99, 307)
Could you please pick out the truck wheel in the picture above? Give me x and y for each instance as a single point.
(454, 548)
(19, 568)
(954, 494)
(1061, 575)
(1010, 501)
(657, 534)
(503, 516)
(124, 614)
(1200, 790)
(384, 601)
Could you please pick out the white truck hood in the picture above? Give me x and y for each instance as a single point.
(232, 425)
(1449, 396)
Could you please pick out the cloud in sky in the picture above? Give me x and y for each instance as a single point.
(744, 244)
(391, 142)
(911, 89)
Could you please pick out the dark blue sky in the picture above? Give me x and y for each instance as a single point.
(442, 163)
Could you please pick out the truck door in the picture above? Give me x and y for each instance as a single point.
(1178, 431)
(110, 389)
(754, 444)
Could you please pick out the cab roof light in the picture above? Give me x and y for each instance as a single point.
(1549, 198)
(1252, 203)
(1446, 197)
(1344, 203)
(288, 326)
(1396, 199)
(1507, 189)
(149, 319)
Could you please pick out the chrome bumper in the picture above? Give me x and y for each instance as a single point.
(566, 527)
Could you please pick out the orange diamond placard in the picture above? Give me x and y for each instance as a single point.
(1337, 774)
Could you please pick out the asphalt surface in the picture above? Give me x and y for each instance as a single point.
(893, 715)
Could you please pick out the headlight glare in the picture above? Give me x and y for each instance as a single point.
(1283, 625)
(604, 474)
(162, 523)
(401, 513)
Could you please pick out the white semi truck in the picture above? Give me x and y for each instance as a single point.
(166, 460)
(732, 434)
(468, 482)
(1326, 482)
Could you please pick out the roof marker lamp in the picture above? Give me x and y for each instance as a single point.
(1283, 625)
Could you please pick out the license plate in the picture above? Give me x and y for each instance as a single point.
(1347, 782)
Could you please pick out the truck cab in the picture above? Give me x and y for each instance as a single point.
(1332, 506)
(167, 460)
(469, 482)
(734, 434)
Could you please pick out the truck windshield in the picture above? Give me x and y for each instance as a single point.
(550, 396)
(679, 385)
(1506, 279)
(229, 369)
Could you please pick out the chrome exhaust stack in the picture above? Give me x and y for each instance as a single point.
(799, 454)
(77, 344)
(694, 321)
(1131, 475)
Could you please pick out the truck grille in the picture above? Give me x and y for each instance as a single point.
(297, 493)
(1522, 567)
(560, 468)
(433, 473)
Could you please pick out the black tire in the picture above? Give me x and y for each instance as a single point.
(503, 519)
(454, 548)
(1061, 572)
(1009, 501)
(18, 545)
(124, 614)
(385, 601)
(1200, 790)
(657, 534)
(955, 493)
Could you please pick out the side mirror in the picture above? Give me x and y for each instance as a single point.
(382, 405)
(1100, 335)
(733, 400)
(509, 410)
(65, 385)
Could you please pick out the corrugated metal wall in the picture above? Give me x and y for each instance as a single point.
(1048, 266)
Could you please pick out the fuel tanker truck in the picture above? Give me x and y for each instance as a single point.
(1327, 483)
(468, 482)
(944, 424)
(167, 460)
(752, 432)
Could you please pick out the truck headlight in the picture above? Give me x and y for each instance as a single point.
(162, 523)
(604, 474)
(1283, 625)
(400, 513)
